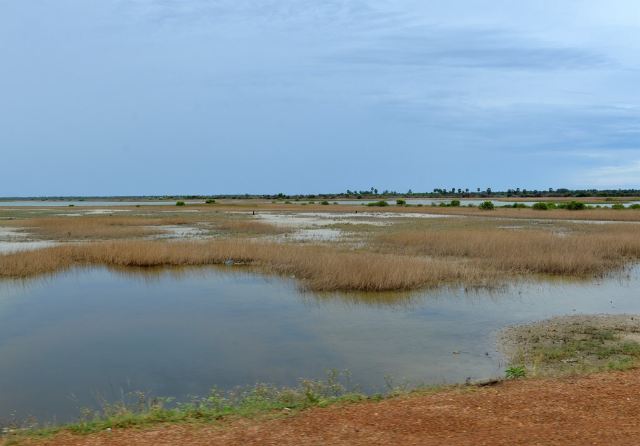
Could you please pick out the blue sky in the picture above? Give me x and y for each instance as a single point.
(101, 97)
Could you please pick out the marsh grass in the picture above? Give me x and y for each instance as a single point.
(96, 227)
(592, 251)
(317, 267)
(409, 256)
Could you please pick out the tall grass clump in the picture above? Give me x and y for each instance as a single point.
(486, 206)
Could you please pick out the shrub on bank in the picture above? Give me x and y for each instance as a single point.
(486, 206)
(180, 203)
(540, 206)
(380, 203)
(572, 206)
(401, 202)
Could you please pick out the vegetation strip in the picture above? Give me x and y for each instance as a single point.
(573, 344)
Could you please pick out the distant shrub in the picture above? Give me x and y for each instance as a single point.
(210, 201)
(518, 205)
(420, 205)
(541, 206)
(324, 203)
(380, 203)
(574, 206)
(617, 206)
(72, 205)
(635, 206)
(401, 202)
(454, 203)
(180, 203)
(486, 206)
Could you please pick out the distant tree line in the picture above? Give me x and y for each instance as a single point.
(375, 193)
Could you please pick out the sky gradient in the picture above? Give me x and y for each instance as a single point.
(134, 97)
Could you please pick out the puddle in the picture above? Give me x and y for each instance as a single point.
(12, 240)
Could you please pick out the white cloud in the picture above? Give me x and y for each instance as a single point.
(625, 174)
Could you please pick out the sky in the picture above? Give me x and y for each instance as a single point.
(152, 97)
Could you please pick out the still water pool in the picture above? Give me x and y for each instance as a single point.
(73, 339)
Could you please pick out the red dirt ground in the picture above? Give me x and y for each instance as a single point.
(600, 409)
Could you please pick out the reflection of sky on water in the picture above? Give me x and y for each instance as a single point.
(66, 338)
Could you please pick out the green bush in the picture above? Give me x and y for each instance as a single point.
(180, 203)
(575, 206)
(380, 203)
(540, 206)
(486, 206)
(324, 203)
(634, 206)
(617, 206)
(454, 203)
(401, 202)
(210, 201)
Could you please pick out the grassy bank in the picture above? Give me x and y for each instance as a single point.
(140, 410)
(573, 345)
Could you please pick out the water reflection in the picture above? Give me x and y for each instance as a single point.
(74, 338)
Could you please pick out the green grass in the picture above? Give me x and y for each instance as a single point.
(140, 410)
(576, 349)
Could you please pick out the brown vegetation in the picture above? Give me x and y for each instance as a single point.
(406, 254)
(528, 251)
(95, 227)
(320, 268)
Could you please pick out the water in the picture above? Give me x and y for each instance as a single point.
(78, 203)
(75, 338)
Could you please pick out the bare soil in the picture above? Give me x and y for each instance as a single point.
(597, 409)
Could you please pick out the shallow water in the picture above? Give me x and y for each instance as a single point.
(73, 339)
(58, 203)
